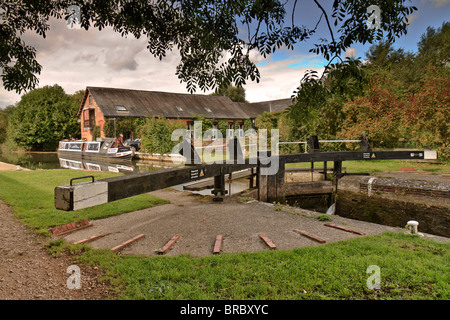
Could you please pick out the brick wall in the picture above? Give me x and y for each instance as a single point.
(87, 132)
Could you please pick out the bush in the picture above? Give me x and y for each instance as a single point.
(157, 134)
(43, 117)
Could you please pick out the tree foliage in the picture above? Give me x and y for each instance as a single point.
(113, 127)
(42, 117)
(236, 94)
(319, 101)
(4, 114)
(397, 98)
(156, 135)
(208, 33)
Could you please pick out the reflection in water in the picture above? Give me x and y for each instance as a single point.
(95, 166)
(32, 160)
(118, 166)
(51, 160)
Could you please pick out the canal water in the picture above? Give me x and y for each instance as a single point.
(50, 160)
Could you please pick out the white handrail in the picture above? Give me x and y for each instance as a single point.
(306, 143)
(339, 140)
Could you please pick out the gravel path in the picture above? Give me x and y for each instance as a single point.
(28, 272)
(198, 221)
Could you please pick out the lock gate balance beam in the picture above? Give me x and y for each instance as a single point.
(87, 194)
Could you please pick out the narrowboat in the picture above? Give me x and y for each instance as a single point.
(106, 148)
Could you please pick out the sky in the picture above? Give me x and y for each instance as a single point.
(76, 58)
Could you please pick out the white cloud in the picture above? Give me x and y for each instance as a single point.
(438, 3)
(350, 53)
(75, 59)
(411, 18)
(278, 81)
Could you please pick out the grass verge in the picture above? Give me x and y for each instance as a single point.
(410, 268)
(370, 166)
(31, 195)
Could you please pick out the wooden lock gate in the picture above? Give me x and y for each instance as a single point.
(270, 180)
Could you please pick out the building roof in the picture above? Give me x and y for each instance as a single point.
(114, 102)
(139, 103)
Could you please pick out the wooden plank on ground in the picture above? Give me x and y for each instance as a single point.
(92, 238)
(344, 228)
(268, 241)
(303, 233)
(217, 244)
(126, 243)
(169, 244)
(70, 227)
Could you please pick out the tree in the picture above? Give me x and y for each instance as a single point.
(214, 51)
(427, 116)
(402, 66)
(42, 117)
(319, 101)
(377, 113)
(236, 94)
(4, 114)
(434, 46)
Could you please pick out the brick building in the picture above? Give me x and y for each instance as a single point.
(102, 104)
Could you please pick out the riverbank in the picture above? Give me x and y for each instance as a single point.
(11, 167)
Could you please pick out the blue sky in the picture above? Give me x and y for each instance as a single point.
(430, 13)
(75, 59)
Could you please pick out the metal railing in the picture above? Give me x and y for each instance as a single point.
(305, 143)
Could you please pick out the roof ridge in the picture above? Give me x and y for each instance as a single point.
(165, 92)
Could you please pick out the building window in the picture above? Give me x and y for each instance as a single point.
(240, 131)
(214, 131)
(90, 100)
(89, 118)
(230, 130)
(190, 130)
(179, 108)
(208, 109)
(121, 109)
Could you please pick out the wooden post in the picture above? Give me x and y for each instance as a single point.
(279, 182)
(271, 187)
(219, 188)
(262, 186)
(252, 175)
(313, 143)
(337, 167)
(337, 170)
